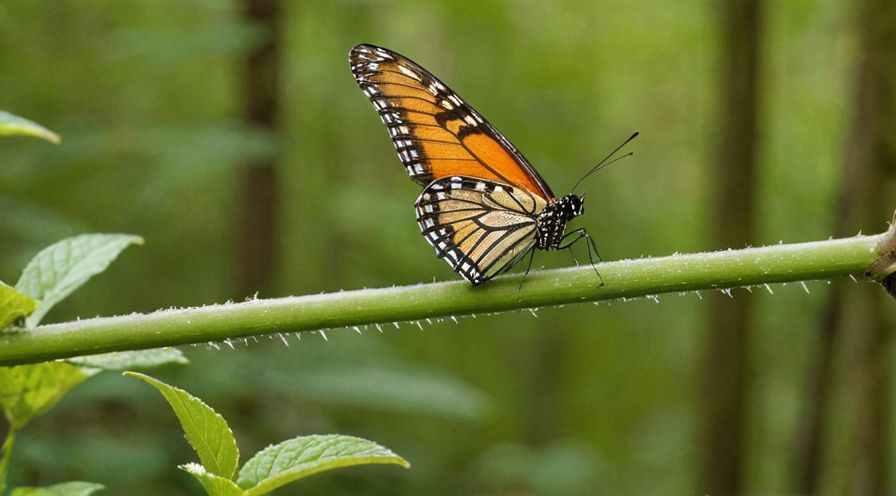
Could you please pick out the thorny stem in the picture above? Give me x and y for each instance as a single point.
(624, 279)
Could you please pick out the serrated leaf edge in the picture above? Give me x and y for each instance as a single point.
(155, 383)
(47, 303)
(304, 470)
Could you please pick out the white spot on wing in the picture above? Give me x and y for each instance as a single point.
(408, 72)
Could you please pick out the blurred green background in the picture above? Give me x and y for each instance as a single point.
(148, 98)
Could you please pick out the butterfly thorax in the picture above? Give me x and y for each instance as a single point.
(551, 222)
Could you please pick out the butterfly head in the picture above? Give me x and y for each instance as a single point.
(571, 206)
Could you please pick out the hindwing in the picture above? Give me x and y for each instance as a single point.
(479, 227)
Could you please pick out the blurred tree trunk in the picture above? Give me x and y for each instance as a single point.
(855, 314)
(724, 380)
(257, 233)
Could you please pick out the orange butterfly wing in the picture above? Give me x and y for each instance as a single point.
(436, 134)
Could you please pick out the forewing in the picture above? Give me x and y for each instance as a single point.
(481, 228)
(435, 132)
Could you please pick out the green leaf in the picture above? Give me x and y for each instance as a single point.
(13, 125)
(215, 485)
(64, 489)
(206, 431)
(27, 391)
(123, 360)
(300, 457)
(63, 267)
(14, 305)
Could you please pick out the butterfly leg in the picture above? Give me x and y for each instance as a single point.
(573, 254)
(592, 248)
(528, 268)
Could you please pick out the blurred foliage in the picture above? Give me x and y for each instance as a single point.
(146, 94)
(13, 125)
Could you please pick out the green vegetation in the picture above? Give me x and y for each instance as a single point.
(152, 100)
(29, 391)
(13, 125)
(274, 466)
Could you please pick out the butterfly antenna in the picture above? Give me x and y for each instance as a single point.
(603, 163)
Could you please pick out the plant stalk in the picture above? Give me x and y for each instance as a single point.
(623, 279)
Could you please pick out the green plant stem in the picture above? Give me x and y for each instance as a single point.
(624, 278)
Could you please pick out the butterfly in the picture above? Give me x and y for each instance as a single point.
(483, 205)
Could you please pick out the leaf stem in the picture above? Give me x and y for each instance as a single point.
(624, 279)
